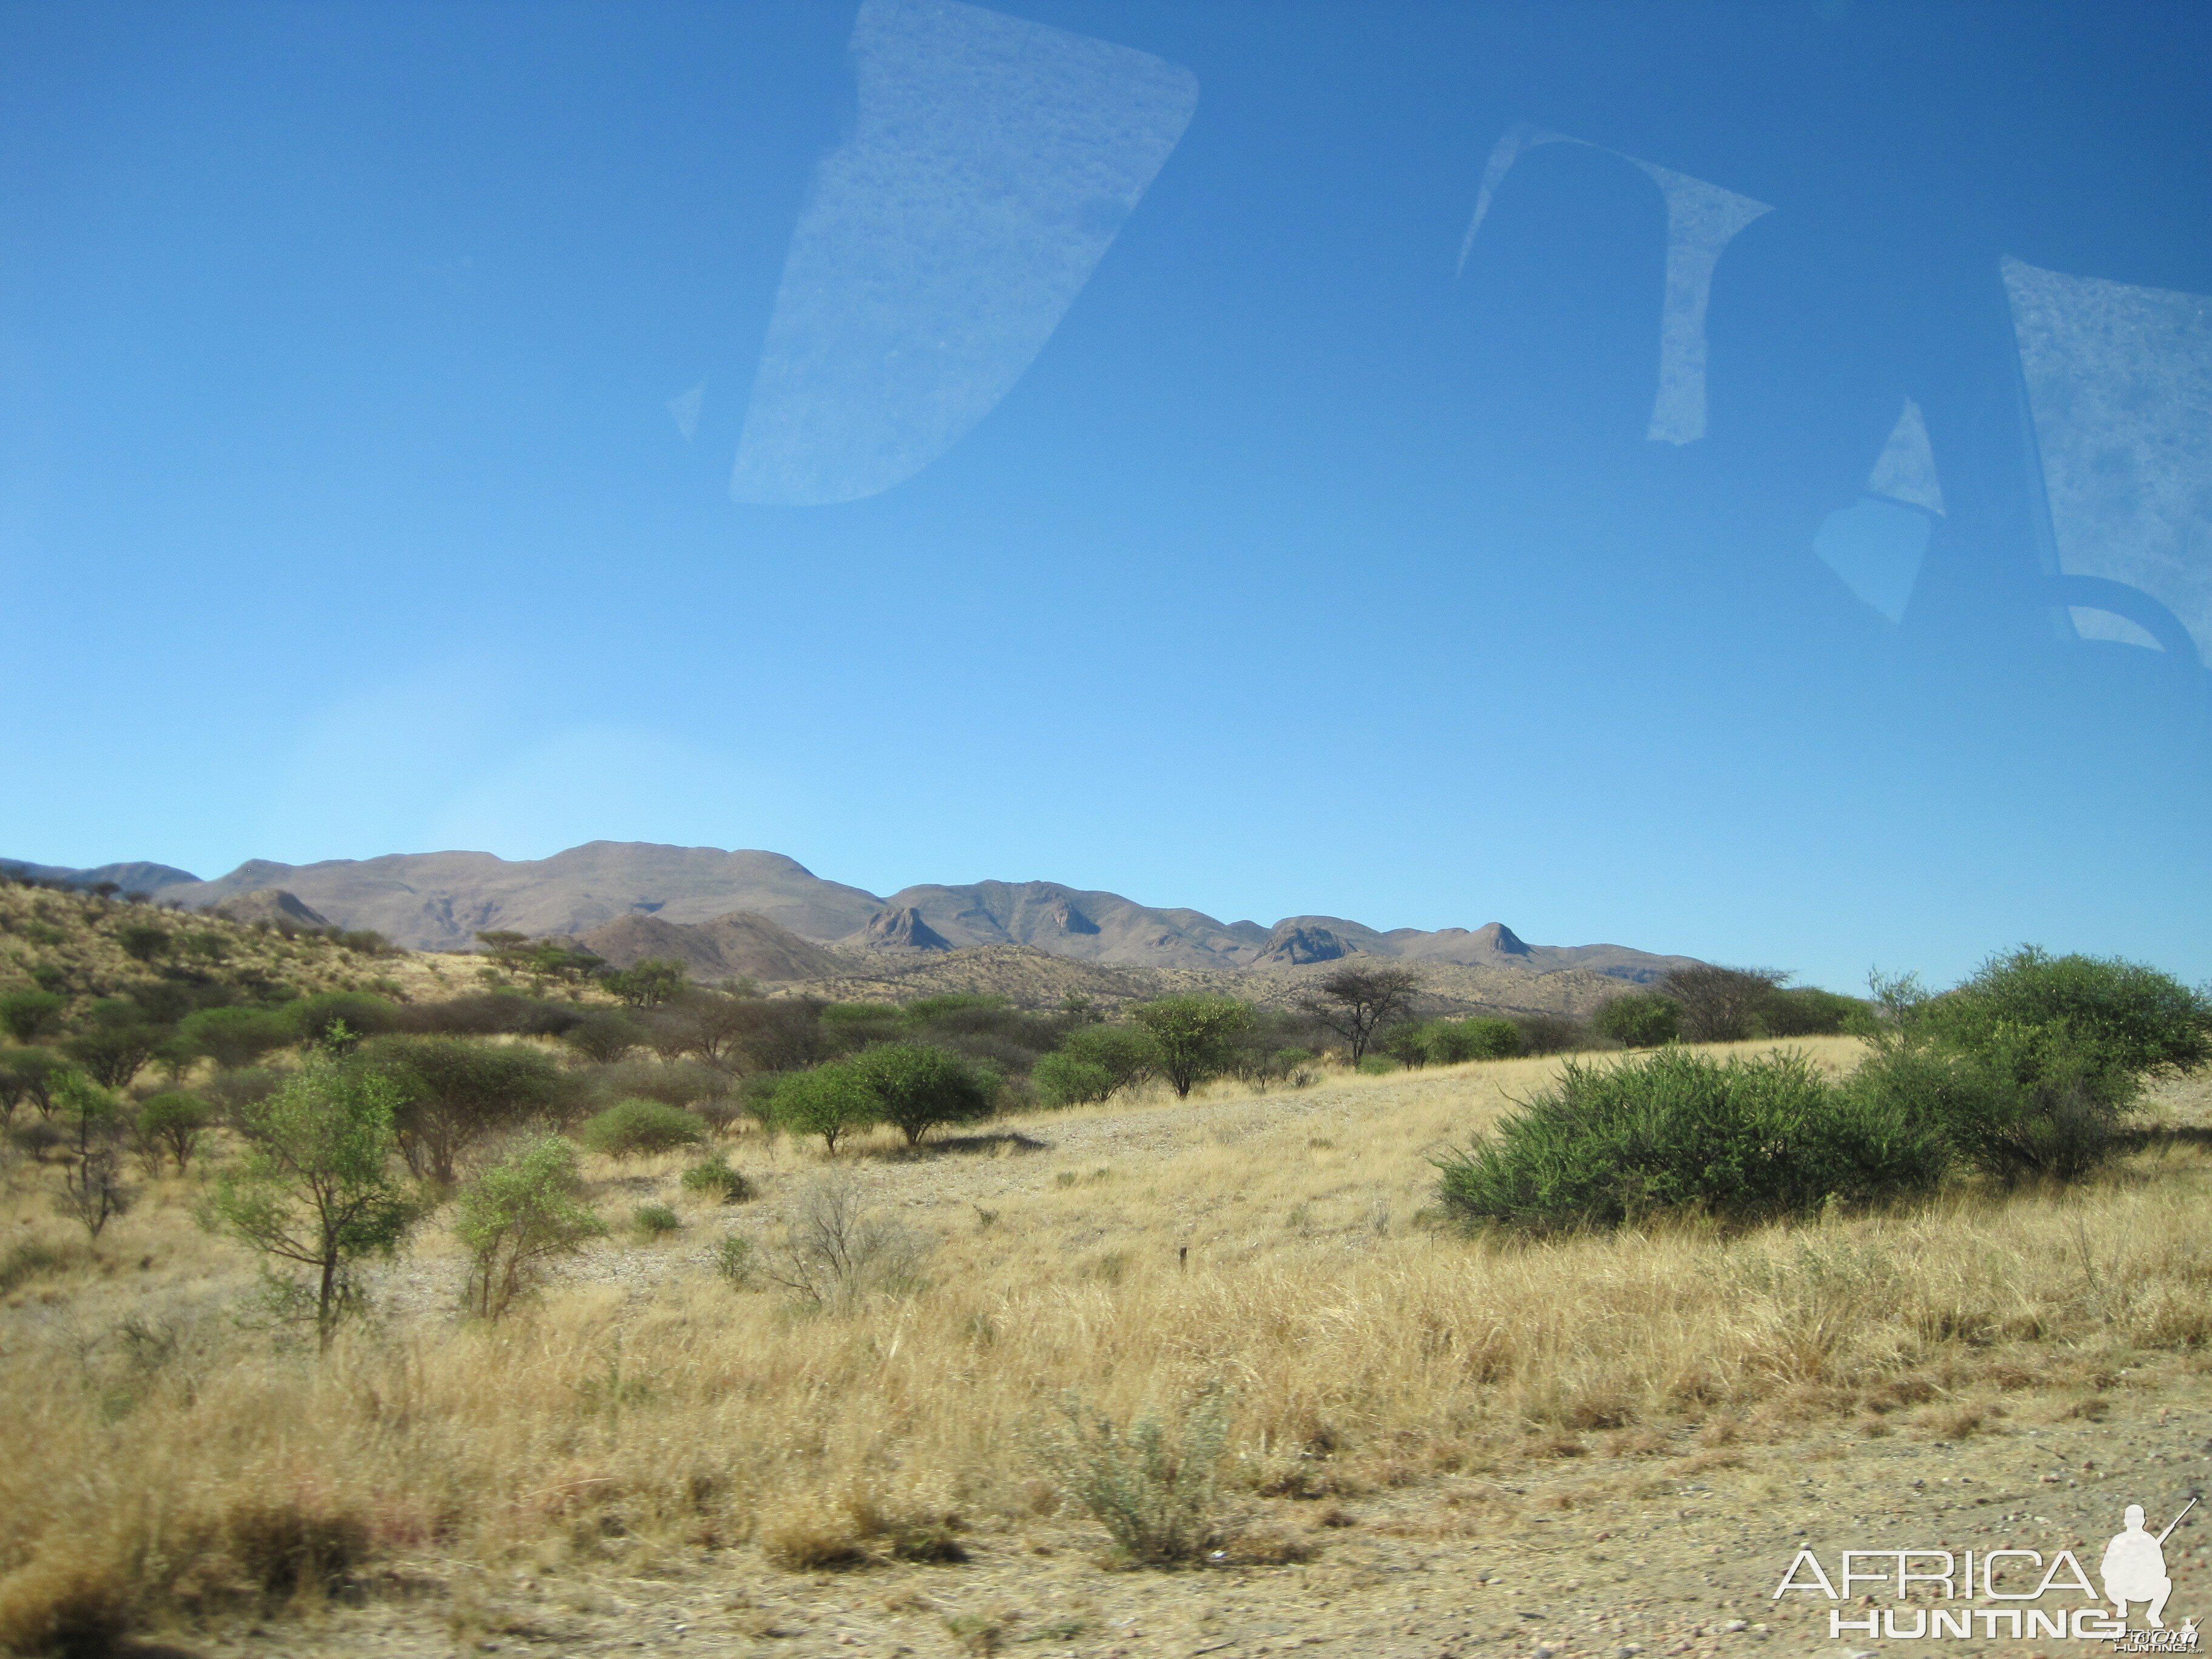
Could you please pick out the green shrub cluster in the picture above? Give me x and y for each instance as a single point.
(2028, 1070)
(2035, 1065)
(1454, 1042)
(1745, 1138)
(714, 1178)
(642, 1129)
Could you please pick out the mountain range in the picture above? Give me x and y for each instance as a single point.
(765, 915)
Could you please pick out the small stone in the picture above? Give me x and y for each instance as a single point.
(1736, 1624)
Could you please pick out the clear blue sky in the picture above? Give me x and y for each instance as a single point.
(1065, 441)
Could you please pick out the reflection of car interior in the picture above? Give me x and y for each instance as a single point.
(2086, 503)
(2089, 599)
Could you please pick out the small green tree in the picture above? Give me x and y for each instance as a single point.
(1640, 1019)
(171, 1123)
(830, 1101)
(642, 1129)
(1127, 1053)
(29, 1015)
(113, 1054)
(2126, 1023)
(918, 1086)
(2031, 1065)
(603, 1035)
(316, 1186)
(1061, 1079)
(453, 1094)
(520, 1215)
(29, 1075)
(1195, 1037)
(93, 1187)
(1808, 1010)
(646, 984)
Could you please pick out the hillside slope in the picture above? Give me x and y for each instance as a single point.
(739, 945)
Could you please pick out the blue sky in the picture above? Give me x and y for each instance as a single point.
(1273, 562)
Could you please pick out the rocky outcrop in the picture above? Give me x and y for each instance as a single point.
(902, 929)
(1294, 947)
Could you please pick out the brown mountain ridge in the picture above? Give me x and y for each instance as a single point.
(771, 913)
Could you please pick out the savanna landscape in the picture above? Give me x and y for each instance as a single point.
(359, 1299)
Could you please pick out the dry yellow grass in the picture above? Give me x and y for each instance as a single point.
(645, 1399)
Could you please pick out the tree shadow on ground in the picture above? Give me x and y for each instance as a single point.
(1013, 1140)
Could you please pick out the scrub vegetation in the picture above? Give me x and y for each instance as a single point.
(790, 1287)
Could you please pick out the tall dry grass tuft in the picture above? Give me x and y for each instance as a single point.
(835, 1430)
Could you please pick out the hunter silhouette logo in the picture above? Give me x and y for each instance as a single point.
(2002, 1585)
(2135, 1568)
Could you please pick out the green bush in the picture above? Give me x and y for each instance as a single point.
(918, 1086)
(2032, 1066)
(733, 1262)
(315, 1018)
(657, 1220)
(170, 1124)
(1196, 1037)
(1807, 1010)
(1127, 1053)
(517, 1216)
(1640, 1019)
(1061, 1079)
(642, 1129)
(1454, 1042)
(1750, 1139)
(1378, 1066)
(2120, 1022)
(604, 1036)
(236, 1037)
(714, 1178)
(27, 1015)
(2010, 1115)
(1551, 1034)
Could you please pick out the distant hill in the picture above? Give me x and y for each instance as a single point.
(739, 945)
(439, 901)
(138, 878)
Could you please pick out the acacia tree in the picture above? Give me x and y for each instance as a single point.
(918, 1085)
(29, 1075)
(316, 1187)
(648, 984)
(1720, 1005)
(29, 1015)
(1195, 1037)
(451, 1094)
(1356, 1002)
